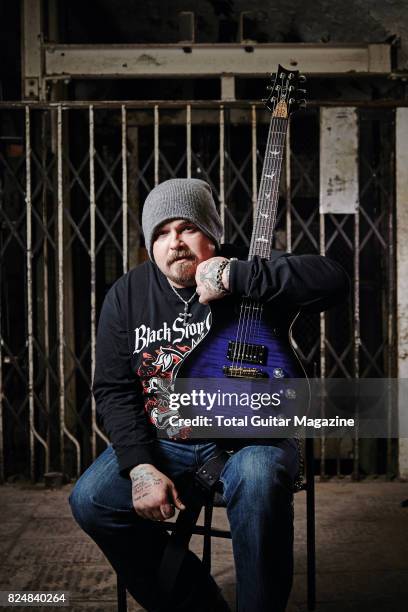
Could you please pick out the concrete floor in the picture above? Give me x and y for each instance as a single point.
(362, 549)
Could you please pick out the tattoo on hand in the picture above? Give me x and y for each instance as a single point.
(143, 483)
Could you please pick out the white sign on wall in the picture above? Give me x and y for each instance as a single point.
(338, 160)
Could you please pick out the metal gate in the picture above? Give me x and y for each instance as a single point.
(73, 178)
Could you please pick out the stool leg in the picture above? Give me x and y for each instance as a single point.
(208, 511)
(121, 593)
(310, 526)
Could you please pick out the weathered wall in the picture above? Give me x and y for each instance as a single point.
(218, 20)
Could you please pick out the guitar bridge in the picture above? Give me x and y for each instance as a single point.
(251, 353)
(242, 372)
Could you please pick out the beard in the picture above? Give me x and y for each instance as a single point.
(182, 272)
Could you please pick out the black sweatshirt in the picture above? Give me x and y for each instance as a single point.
(141, 337)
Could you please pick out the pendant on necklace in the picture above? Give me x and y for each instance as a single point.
(185, 315)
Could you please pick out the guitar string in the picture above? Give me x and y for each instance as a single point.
(271, 171)
(259, 312)
(248, 309)
(257, 307)
(245, 304)
(259, 223)
(265, 249)
(243, 312)
(265, 227)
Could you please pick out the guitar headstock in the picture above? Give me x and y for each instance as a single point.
(285, 96)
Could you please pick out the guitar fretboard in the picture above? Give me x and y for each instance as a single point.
(267, 204)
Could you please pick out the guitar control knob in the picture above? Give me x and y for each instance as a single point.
(278, 373)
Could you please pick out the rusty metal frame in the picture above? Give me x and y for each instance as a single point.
(211, 60)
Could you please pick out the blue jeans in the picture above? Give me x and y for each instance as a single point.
(257, 488)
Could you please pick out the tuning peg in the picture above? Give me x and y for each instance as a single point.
(273, 75)
(269, 87)
(302, 78)
(302, 90)
(302, 102)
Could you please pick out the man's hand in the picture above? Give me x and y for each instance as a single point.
(154, 495)
(206, 279)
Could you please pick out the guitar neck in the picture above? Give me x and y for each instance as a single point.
(268, 195)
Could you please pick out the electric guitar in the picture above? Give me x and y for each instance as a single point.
(246, 341)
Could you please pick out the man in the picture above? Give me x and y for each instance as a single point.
(151, 318)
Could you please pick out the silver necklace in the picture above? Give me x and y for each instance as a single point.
(185, 314)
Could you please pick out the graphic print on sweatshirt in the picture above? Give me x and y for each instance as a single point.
(160, 353)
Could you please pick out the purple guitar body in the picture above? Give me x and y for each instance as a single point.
(264, 362)
(210, 357)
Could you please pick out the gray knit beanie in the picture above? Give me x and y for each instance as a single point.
(189, 199)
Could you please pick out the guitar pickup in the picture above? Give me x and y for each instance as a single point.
(242, 372)
(243, 351)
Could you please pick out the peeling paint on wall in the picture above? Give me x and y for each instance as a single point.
(338, 160)
(402, 268)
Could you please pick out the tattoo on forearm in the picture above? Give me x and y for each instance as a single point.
(227, 275)
(208, 276)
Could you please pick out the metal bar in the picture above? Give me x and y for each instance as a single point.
(177, 60)
(322, 353)
(222, 176)
(44, 220)
(31, 52)
(391, 340)
(92, 215)
(205, 104)
(121, 595)
(288, 193)
(2, 473)
(2, 390)
(156, 145)
(188, 130)
(227, 87)
(356, 335)
(124, 193)
(60, 297)
(134, 193)
(254, 165)
(29, 292)
(60, 291)
(92, 255)
(30, 335)
(310, 522)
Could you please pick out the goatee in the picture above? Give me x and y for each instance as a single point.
(183, 274)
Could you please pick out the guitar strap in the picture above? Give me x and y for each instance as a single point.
(200, 492)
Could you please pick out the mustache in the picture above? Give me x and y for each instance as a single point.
(184, 253)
